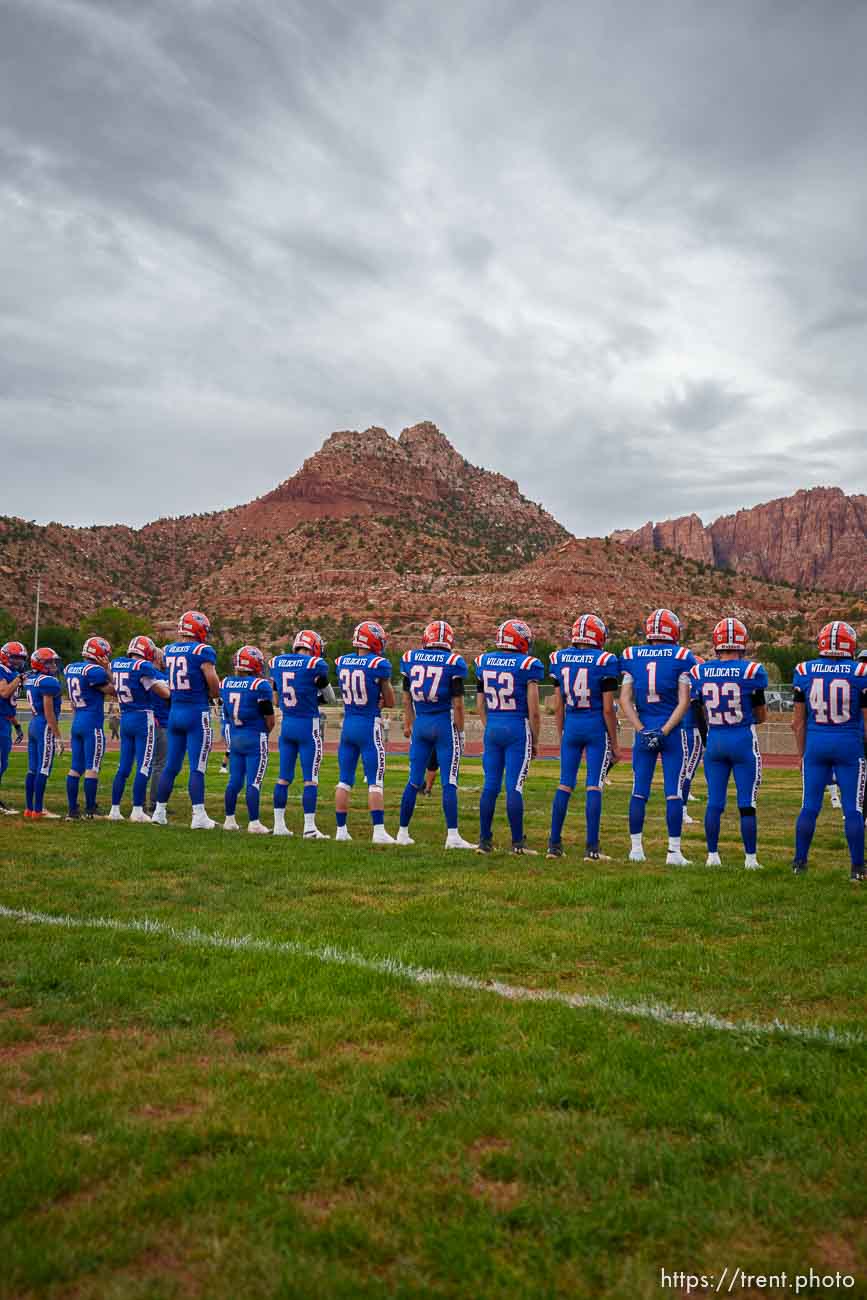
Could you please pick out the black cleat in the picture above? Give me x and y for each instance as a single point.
(799, 868)
(519, 847)
(485, 846)
(857, 875)
(73, 816)
(95, 814)
(594, 855)
(554, 851)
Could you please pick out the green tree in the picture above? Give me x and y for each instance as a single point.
(117, 625)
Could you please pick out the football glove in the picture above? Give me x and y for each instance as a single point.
(19, 733)
(651, 739)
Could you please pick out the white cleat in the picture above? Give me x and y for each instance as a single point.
(50, 816)
(315, 834)
(455, 841)
(342, 835)
(403, 836)
(137, 815)
(687, 820)
(231, 824)
(202, 822)
(258, 828)
(751, 863)
(283, 830)
(836, 802)
(381, 836)
(637, 855)
(713, 860)
(7, 811)
(115, 815)
(158, 817)
(676, 859)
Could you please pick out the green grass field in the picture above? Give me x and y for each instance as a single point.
(182, 1118)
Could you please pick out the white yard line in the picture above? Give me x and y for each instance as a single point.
(397, 969)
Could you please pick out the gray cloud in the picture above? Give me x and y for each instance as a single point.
(614, 250)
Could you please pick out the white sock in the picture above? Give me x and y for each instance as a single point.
(310, 821)
(198, 809)
(279, 818)
(674, 844)
(115, 807)
(636, 841)
(160, 808)
(136, 808)
(750, 859)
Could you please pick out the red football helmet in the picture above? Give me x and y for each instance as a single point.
(730, 634)
(97, 649)
(45, 660)
(589, 630)
(249, 659)
(194, 625)
(838, 639)
(438, 636)
(369, 636)
(14, 655)
(142, 647)
(514, 635)
(662, 625)
(310, 641)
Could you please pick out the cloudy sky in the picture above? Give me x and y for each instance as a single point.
(614, 249)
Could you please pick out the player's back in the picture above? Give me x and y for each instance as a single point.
(429, 673)
(83, 679)
(583, 676)
(360, 677)
(656, 671)
(129, 675)
(7, 704)
(726, 688)
(834, 692)
(36, 686)
(298, 678)
(240, 696)
(504, 676)
(184, 663)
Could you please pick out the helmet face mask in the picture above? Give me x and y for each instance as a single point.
(45, 660)
(730, 634)
(589, 630)
(14, 655)
(663, 625)
(838, 640)
(194, 625)
(515, 634)
(438, 635)
(249, 659)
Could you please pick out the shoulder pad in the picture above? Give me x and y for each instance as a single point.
(453, 659)
(627, 653)
(552, 657)
(861, 668)
(376, 661)
(527, 664)
(605, 658)
(751, 669)
(693, 672)
(478, 661)
(801, 670)
(682, 653)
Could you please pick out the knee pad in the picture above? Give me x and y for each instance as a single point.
(341, 785)
(747, 812)
(375, 789)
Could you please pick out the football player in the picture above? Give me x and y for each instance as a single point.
(829, 723)
(587, 677)
(44, 693)
(364, 679)
(248, 706)
(161, 707)
(299, 679)
(13, 665)
(433, 722)
(695, 725)
(731, 689)
(138, 684)
(655, 698)
(507, 686)
(193, 683)
(88, 682)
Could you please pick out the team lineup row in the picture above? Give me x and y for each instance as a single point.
(682, 708)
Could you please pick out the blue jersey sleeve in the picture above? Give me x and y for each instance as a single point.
(50, 686)
(381, 671)
(95, 675)
(264, 690)
(759, 679)
(800, 679)
(535, 671)
(459, 667)
(554, 665)
(205, 654)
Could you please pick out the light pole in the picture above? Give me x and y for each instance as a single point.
(36, 620)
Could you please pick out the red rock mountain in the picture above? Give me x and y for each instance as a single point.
(402, 529)
(815, 538)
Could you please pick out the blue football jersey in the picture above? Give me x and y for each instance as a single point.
(656, 672)
(83, 679)
(726, 688)
(37, 686)
(7, 707)
(131, 677)
(241, 697)
(360, 677)
(503, 676)
(298, 679)
(581, 674)
(184, 660)
(428, 676)
(835, 692)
